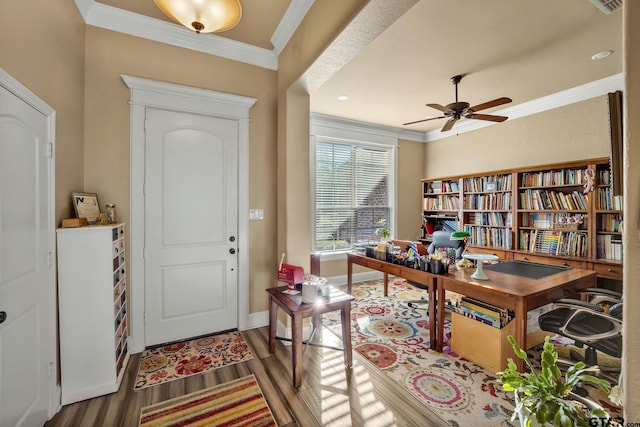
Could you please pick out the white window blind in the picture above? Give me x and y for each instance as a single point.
(353, 192)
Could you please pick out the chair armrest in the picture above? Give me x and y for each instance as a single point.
(599, 295)
(574, 303)
(592, 338)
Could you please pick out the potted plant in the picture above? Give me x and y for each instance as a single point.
(383, 230)
(545, 395)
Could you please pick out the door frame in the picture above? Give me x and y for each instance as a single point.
(22, 92)
(145, 93)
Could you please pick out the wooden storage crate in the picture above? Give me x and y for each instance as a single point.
(481, 344)
(485, 345)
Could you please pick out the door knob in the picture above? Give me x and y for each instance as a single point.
(232, 251)
(3, 316)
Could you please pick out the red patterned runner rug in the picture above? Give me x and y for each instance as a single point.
(238, 403)
(179, 360)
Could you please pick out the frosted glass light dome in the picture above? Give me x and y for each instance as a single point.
(203, 16)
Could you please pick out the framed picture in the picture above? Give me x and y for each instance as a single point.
(86, 206)
(490, 186)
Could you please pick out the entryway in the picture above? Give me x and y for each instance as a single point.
(189, 212)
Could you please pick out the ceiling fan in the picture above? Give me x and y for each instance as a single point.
(458, 110)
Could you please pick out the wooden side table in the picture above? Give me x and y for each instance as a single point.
(293, 306)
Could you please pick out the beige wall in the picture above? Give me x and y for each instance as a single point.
(410, 172)
(111, 54)
(324, 21)
(631, 287)
(573, 132)
(43, 48)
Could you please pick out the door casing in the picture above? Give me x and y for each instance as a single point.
(22, 92)
(149, 93)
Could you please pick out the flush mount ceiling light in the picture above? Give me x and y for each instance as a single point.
(601, 55)
(342, 97)
(203, 16)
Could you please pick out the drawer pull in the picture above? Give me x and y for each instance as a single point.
(564, 263)
(610, 270)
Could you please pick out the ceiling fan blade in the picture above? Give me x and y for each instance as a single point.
(447, 126)
(487, 117)
(439, 107)
(423, 120)
(489, 104)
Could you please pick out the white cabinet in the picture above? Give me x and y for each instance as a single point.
(92, 310)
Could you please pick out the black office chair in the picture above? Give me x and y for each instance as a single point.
(589, 325)
(441, 241)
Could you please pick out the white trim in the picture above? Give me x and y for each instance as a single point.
(296, 11)
(153, 94)
(556, 100)
(22, 92)
(337, 130)
(111, 18)
(351, 130)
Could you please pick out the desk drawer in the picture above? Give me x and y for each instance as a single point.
(550, 260)
(501, 254)
(384, 267)
(613, 271)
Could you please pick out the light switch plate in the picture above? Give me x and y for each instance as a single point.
(256, 214)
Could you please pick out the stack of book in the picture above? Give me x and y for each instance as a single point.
(484, 312)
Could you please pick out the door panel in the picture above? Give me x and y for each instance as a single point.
(190, 216)
(24, 283)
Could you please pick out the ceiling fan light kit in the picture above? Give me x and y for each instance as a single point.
(203, 16)
(458, 110)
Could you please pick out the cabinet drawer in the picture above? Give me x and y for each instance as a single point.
(550, 260)
(501, 254)
(377, 265)
(613, 271)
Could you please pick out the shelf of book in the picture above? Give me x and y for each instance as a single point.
(565, 211)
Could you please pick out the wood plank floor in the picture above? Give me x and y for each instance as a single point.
(330, 395)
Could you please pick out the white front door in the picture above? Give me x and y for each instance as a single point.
(191, 210)
(24, 263)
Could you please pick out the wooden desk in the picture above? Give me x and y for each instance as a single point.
(337, 300)
(519, 294)
(429, 280)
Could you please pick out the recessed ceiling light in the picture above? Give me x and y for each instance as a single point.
(343, 98)
(601, 55)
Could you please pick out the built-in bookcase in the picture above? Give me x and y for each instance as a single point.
(559, 214)
(487, 210)
(440, 206)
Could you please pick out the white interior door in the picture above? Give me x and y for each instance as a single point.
(191, 209)
(24, 263)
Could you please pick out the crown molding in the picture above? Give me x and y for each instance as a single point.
(556, 100)
(323, 121)
(122, 21)
(169, 95)
(296, 11)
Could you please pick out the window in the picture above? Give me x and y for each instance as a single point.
(353, 192)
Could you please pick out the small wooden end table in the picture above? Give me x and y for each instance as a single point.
(293, 306)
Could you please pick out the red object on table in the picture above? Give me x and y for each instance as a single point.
(291, 275)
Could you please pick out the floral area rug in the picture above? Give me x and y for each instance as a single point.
(183, 359)
(395, 338)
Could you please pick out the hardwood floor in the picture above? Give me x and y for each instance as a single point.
(330, 394)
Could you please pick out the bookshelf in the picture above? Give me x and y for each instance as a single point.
(553, 211)
(440, 206)
(487, 210)
(541, 214)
